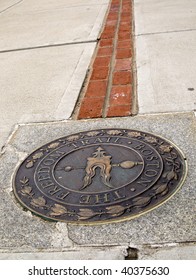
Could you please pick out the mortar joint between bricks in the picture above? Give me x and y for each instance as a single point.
(112, 64)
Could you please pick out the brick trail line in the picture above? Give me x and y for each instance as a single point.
(108, 90)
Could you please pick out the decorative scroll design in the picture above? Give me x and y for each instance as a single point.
(125, 193)
(26, 189)
(58, 210)
(40, 154)
(99, 160)
(35, 157)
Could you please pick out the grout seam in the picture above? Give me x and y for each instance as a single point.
(49, 46)
(165, 32)
(112, 64)
(11, 6)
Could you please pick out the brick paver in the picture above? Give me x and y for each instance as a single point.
(109, 86)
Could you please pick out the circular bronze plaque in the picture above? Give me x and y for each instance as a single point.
(100, 176)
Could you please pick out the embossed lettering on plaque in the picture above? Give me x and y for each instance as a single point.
(100, 176)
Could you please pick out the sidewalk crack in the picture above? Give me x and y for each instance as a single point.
(49, 46)
(165, 32)
(11, 6)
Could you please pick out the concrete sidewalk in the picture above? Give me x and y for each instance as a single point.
(45, 52)
(166, 57)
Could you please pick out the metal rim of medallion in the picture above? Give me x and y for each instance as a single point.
(100, 176)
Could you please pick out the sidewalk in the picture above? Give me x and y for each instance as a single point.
(47, 51)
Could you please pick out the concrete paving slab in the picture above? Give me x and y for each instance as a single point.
(173, 222)
(41, 84)
(22, 230)
(79, 253)
(31, 24)
(5, 131)
(154, 16)
(8, 4)
(166, 72)
(169, 252)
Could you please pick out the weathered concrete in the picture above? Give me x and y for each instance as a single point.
(77, 253)
(166, 72)
(7, 4)
(154, 16)
(42, 66)
(30, 24)
(168, 252)
(172, 222)
(41, 84)
(165, 57)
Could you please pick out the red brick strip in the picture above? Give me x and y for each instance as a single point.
(109, 88)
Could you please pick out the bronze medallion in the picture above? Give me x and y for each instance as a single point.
(100, 176)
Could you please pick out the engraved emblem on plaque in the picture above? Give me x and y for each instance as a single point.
(100, 176)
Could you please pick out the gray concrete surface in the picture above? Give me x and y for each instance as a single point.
(8, 4)
(154, 16)
(77, 253)
(166, 72)
(42, 66)
(31, 24)
(41, 84)
(168, 252)
(45, 50)
(165, 48)
(172, 222)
